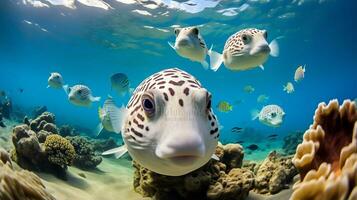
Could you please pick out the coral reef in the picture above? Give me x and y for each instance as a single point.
(24, 185)
(327, 157)
(291, 141)
(59, 150)
(233, 155)
(274, 174)
(212, 181)
(46, 121)
(38, 147)
(85, 157)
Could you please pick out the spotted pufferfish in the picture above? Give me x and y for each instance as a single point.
(246, 49)
(168, 126)
(190, 44)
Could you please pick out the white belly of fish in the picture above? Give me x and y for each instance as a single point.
(192, 53)
(244, 62)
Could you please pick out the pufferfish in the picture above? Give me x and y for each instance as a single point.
(56, 81)
(190, 44)
(168, 126)
(245, 50)
(270, 115)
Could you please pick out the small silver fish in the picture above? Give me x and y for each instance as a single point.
(245, 50)
(81, 95)
(121, 84)
(190, 44)
(270, 115)
(56, 81)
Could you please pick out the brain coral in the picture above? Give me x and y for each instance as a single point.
(59, 150)
(327, 157)
(24, 185)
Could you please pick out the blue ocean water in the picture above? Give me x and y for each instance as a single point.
(87, 44)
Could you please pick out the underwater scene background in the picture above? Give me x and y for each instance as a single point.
(88, 41)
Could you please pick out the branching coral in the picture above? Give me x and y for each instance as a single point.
(327, 157)
(59, 150)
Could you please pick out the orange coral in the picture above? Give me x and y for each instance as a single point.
(326, 159)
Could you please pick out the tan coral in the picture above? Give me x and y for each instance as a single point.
(24, 185)
(327, 157)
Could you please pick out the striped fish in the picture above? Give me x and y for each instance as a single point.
(120, 83)
(81, 95)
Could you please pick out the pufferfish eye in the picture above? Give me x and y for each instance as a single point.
(245, 38)
(195, 31)
(177, 31)
(79, 91)
(148, 104)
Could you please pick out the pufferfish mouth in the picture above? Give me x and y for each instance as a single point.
(184, 160)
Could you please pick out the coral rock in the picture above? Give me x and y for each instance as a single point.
(28, 150)
(38, 123)
(212, 181)
(274, 174)
(327, 157)
(233, 156)
(233, 186)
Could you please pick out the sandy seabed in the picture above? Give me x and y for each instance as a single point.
(113, 180)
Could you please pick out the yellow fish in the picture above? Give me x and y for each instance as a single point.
(224, 106)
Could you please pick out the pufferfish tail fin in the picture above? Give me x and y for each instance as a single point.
(118, 152)
(274, 48)
(254, 114)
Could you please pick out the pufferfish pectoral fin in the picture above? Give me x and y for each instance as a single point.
(216, 59)
(118, 152)
(116, 115)
(171, 45)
